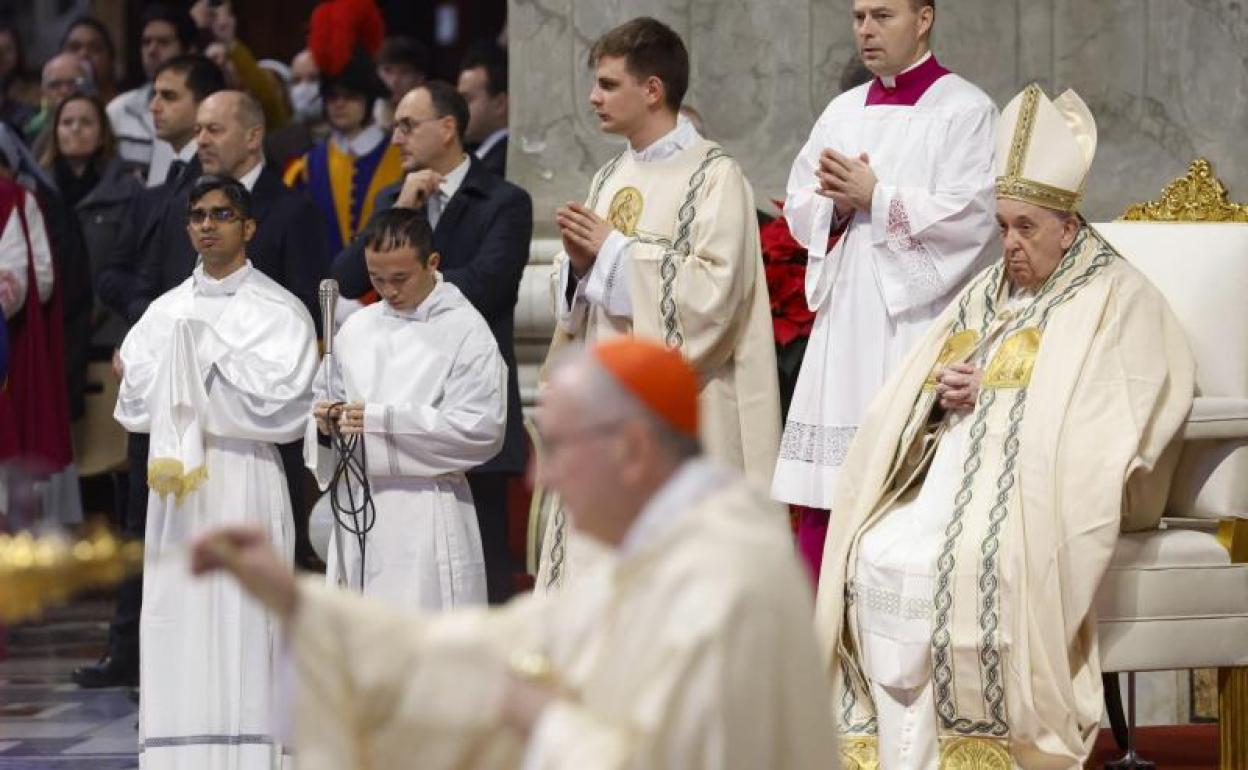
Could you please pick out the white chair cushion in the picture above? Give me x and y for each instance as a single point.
(1172, 599)
(1215, 418)
(1168, 548)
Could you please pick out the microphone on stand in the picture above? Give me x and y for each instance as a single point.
(328, 294)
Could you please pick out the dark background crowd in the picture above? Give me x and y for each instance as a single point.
(108, 115)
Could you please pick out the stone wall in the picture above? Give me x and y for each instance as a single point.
(1166, 79)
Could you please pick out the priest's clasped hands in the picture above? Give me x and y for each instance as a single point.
(350, 417)
(583, 233)
(849, 182)
(957, 385)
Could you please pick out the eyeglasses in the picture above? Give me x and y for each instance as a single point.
(407, 125)
(62, 84)
(218, 214)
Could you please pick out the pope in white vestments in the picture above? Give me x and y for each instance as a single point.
(688, 648)
(982, 499)
(680, 264)
(424, 387)
(218, 370)
(924, 138)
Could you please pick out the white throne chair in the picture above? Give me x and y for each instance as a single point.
(1177, 597)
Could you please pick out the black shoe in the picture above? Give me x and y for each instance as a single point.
(307, 560)
(109, 672)
(133, 695)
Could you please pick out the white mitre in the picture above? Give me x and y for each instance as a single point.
(1045, 149)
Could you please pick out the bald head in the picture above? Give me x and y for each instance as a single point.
(66, 64)
(230, 132)
(603, 450)
(64, 74)
(241, 106)
(595, 394)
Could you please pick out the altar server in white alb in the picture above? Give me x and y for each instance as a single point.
(422, 383)
(218, 370)
(898, 172)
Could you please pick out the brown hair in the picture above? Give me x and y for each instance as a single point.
(649, 48)
(108, 142)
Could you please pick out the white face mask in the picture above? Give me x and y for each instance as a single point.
(306, 100)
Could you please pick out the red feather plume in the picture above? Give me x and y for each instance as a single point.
(370, 27)
(338, 26)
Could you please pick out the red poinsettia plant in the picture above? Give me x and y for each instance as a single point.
(784, 262)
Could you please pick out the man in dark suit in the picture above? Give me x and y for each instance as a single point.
(482, 227)
(179, 86)
(483, 84)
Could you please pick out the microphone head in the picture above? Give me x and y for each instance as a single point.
(328, 296)
(329, 288)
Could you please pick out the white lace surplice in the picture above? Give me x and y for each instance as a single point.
(931, 226)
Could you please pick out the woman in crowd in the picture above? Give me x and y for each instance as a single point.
(94, 184)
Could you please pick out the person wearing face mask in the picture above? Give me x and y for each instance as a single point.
(307, 125)
(305, 88)
(344, 174)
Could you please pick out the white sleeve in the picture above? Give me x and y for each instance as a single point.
(142, 354)
(13, 266)
(40, 248)
(570, 311)
(458, 431)
(929, 241)
(812, 218)
(607, 282)
(255, 394)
